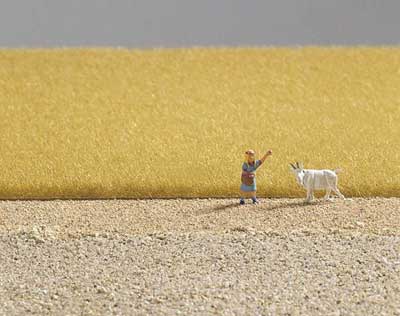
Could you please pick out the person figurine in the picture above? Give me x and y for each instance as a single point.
(248, 187)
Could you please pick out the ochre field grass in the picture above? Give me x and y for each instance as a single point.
(99, 123)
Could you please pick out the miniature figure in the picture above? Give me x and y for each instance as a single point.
(248, 187)
(317, 180)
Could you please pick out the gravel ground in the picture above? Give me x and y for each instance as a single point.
(200, 257)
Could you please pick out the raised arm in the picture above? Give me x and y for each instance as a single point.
(269, 153)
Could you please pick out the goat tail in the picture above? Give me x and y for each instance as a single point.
(337, 171)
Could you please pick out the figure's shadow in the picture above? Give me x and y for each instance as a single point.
(219, 208)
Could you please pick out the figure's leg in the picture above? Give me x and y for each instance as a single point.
(242, 197)
(253, 197)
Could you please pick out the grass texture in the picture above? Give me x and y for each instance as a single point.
(103, 123)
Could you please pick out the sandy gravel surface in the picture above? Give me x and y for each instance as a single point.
(200, 257)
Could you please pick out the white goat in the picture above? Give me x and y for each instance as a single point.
(317, 180)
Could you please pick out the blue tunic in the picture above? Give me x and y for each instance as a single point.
(250, 168)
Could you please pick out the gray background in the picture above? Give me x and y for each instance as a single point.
(175, 23)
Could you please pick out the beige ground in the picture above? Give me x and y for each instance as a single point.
(200, 257)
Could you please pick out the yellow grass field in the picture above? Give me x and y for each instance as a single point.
(102, 123)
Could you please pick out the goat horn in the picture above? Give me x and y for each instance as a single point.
(297, 164)
(293, 166)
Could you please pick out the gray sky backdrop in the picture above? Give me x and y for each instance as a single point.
(181, 23)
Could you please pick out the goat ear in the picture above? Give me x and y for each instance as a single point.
(301, 165)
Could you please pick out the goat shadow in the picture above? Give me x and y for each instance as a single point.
(289, 204)
(264, 206)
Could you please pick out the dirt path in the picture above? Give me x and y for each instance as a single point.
(201, 257)
(66, 219)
